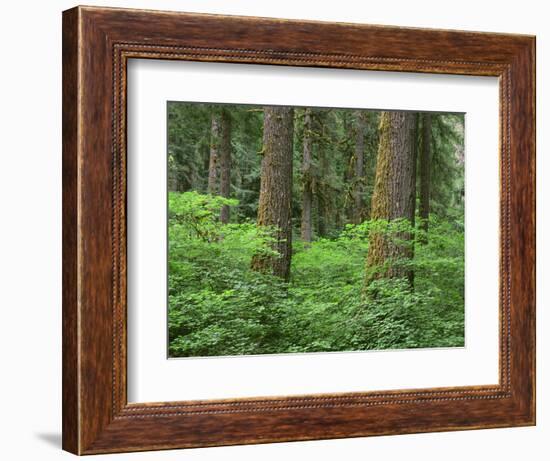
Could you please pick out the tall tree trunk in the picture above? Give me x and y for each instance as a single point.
(322, 215)
(360, 127)
(307, 183)
(425, 177)
(412, 211)
(172, 175)
(225, 161)
(393, 195)
(323, 190)
(215, 137)
(275, 202)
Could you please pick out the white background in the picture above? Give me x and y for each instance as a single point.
(153, 378)
(30, 243)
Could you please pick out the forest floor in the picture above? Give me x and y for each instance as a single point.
(219, 306)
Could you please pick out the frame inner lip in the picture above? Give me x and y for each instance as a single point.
(126, 50)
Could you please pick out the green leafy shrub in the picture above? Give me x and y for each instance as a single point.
(219, 306)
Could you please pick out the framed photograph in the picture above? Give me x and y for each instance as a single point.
(282, 230)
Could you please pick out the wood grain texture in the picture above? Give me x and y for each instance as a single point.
(70, 382)
(97, 42)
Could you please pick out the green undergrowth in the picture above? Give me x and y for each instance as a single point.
(219, 306)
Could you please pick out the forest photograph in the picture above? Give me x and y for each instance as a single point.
(309, 229)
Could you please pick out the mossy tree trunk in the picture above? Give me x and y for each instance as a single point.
(307, 177)
(214, 153)
(425, 176)
(324, 191)
(412, 207)
(172, 176)
(393, 196)
(225, 161)
(275, 202)
(359, 165)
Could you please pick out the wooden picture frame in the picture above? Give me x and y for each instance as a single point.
(97, 43)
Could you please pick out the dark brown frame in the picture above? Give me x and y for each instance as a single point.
(97, 43)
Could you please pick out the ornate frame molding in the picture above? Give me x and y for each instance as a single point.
(97, 43)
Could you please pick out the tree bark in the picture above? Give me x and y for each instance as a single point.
(307, 183)
(425, 177)
(412, 210)
(172, 175)
(360, 127)
(324, 193)
(393, 195)
(275, 202)
(225, 161)
(215, 136)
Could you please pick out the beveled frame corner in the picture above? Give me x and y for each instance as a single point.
(97, 44)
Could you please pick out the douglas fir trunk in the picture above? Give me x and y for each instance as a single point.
(274, 206)
(425, 166)
(307, 195)
(360, 127)
(225, 161)
(393, 196)
(214, 153)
